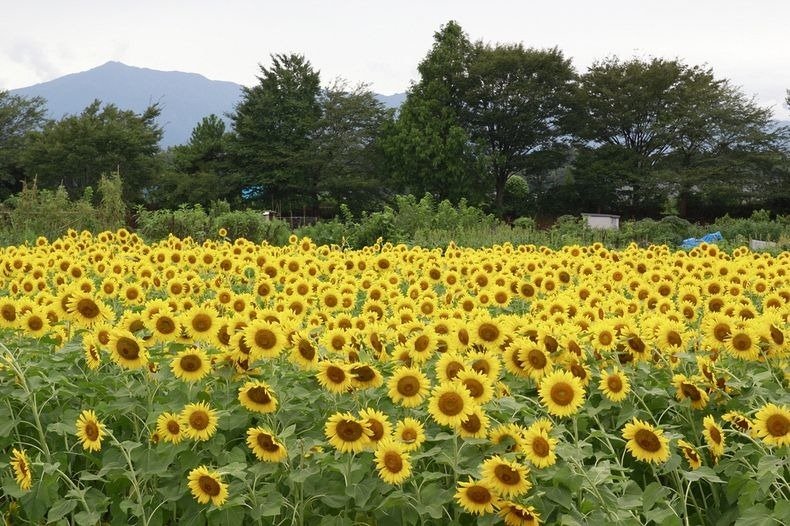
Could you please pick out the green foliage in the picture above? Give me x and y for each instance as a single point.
(19, 116)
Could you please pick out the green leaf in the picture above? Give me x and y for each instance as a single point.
(60, 509)
(702, 473)
(85, 518)
(652, 494)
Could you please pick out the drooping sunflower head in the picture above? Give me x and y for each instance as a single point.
(365, 376)
(688, 388)
(517, 515)
(20, 464)
(714, 437)
(690, 453)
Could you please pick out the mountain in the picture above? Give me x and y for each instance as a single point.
(185, 98)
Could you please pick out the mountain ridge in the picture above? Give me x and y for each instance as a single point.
(184, 97)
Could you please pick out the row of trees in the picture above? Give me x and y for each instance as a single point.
(514, 129)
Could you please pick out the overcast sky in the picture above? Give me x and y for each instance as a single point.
(381, 43)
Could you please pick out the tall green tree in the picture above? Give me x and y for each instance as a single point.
(76, 150)
(427, 149)
(18, 117)
(274, 124)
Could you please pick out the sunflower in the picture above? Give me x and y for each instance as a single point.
(476, 497)
(304, 352)
(170, 427)
(615, 385)
(334, 376)
(743, 343)
(257, 396)
(86, 310)
(392, 461)
(265, 446)
(772, 424)
(127, 350)
(687, 388)
(714, 437)
(410, 433)
(536, 361)
(562, 393)
(603, 335)
(201, 421)
(90, 347)
(164, 326)
(478, 385)
(34, 322)
(190, 365)
(266, 340)
(201, 323)
(508, 479)
(20, 463)
(408, 386)
(346, 433)
(739, 421)
(485, 362)
(517, 515)
(450, 404)
(690, 452)
(645, 442)
(207, 486)
(379, 424)
(510, 435)
(539, 447)
(365, 376)
(89, 430)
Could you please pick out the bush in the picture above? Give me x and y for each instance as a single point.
(252, 225)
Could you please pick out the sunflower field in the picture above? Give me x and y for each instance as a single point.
(228, 382)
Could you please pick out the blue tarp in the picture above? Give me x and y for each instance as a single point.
(707, 238)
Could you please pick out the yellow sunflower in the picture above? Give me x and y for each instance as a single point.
(207, 486)
(690, 452)
(127, 350)
(535, 360)
(562, 393)
(334, 376)
(539, 447)
(379, 424)
(743, 343)
(645, 442)
(266, 340)
(410, 433)
(89, 430)
(476, 497)
(304, 352)
(86, 310)
(170, 427)
(508, 479)
(772, 424)
(714, 437)
(510, 435)
(265, 446)
(190, 365)
(257, 396)
(201, 421)
(450, 404)
(517, 515)
(392, 461)
(20, 464)
(365, 376)
(478, 385)
(687, 388)
(408, 386)
(615, 385)
(201, 323)
(346, 433)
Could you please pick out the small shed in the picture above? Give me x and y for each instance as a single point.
(603, 221)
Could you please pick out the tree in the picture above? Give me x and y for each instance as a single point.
(684, 129)
(274, 126)
(18, 117)
(76, 150)
(200, 171)
(427, 149)
(515, 101)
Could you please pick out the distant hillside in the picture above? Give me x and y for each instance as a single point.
(185, 98)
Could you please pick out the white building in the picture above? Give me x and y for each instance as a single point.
(604, 221)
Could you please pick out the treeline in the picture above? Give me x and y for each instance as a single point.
(514, 131)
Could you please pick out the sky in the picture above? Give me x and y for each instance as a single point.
(380, 44)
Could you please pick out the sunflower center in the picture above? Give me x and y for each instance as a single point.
(507, 475)
(690, 391)
(191, 363)
(540, 446)
(393, 462)
(8, 312)
(348, 430)
(198, 420)
(451, 404)
(421, 343)
(173, 427)
(88, 308)
(605, 338)
(777, 336)
(474, 387)
(265, 338)
(636, 344)
(561, 393)
(614, 383)
(408, 435)
(377, 428)
(363, 373)
(741, 342)
(472, 424)
(488, 332)
(92, 431)
(209, 486)
(408, 386)
(537, 359)
(338, 342)
(478, 494)
(777, 425)
(259, 395)
(673, 339)
(266, 442)
(482, 366)
(715, 435)
(336, 374)
(201, 323)
(128, 348)
(647, 440)
(165, 325)
(578, 371)
(35, 323)
(452, 369)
